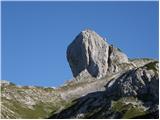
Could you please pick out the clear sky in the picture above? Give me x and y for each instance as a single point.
(35, 35)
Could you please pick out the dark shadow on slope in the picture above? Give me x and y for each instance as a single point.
(96, 105)
(78, 103)
(152, 115)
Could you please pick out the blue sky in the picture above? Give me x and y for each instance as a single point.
(35, 35)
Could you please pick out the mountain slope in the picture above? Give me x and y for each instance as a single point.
(28, 102)
(106, 84)
(119, 99)
(90, 96)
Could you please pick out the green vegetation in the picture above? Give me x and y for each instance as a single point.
(2, 89)
(151, 66)
(48, 89)
(41, 110)
(144, 59)
(127, 110)
(95, 113)
(133, 112)
(68, 103)
(147, 59)
(119, 106)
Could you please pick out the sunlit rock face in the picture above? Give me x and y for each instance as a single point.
(91, 52)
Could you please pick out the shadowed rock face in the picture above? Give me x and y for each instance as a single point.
(91, 52)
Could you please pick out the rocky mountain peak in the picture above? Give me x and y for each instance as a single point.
(91, 53)
(88, 33)
(128, 88)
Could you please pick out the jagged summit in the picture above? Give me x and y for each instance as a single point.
(90, 32)
(91, 53)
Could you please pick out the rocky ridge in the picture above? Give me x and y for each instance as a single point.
(106, 84)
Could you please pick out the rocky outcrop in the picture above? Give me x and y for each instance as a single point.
(133, 94)
(115, 59)
(137, 82)
(90, 52)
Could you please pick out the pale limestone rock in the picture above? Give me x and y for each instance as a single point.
(116, 60)
(90, 52)
(136, 82)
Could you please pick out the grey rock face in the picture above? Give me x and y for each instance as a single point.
(92, 53)
(88, 51)
(115, 59)
(136, 82)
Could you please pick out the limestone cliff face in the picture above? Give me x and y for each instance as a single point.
(90, 52)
